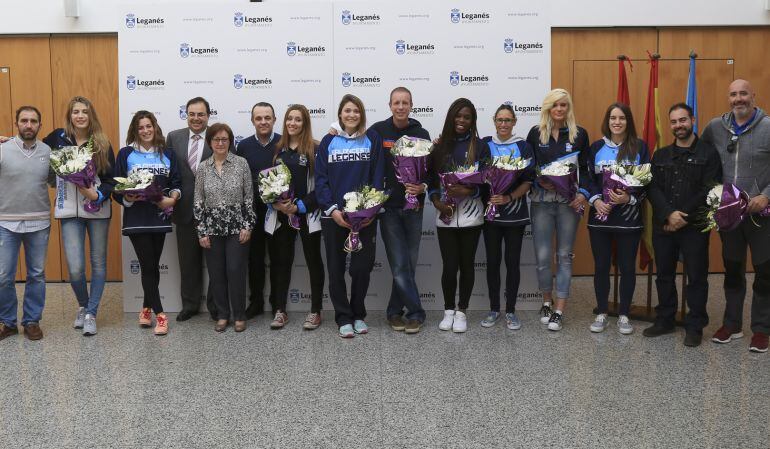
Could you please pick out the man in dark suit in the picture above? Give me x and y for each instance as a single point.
(190, 147)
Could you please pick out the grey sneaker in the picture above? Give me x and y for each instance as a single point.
(490, 319)
(80, 318)
(624, 326)
(512, 322)
(599, 324)
(89, 325)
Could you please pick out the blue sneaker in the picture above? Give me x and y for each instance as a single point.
(490, 319)
(512, 322)
(346, 331)
(360, 327)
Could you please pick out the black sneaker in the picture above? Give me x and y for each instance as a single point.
(692, 339)
(554, 323)
(658, 329)
(545, 314)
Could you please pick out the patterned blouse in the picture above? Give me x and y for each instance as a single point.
(223, 202)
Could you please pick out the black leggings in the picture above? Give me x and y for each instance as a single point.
(458, 253)
(627, 244)
(281, 249)
(148, 247)
(494, 235)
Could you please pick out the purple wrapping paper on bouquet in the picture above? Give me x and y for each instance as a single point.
(566, 186)
(411, 170)
(152, 194)
(293, 218)
(85, 178)
(451, 178)
(499, 181)
(356, 221)
(611, 181)
(733, 209)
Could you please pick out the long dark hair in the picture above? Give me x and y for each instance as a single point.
(306, 144)
(158, 141)
(631, 144)
(448, 137)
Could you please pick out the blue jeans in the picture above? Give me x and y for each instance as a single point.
(401, 232)
(35, 248)
(547, 218)
(73, 233)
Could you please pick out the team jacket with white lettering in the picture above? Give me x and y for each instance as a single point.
(515, 213)
(142, 216)
(345, 164)
(623, 217)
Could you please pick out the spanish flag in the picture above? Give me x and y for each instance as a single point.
(651, 135)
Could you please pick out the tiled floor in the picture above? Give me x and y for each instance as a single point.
(296, 389)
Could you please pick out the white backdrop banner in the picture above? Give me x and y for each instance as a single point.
(236, 55)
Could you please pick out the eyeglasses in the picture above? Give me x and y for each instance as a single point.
(503, 120)
(732, 144)
(220, 140)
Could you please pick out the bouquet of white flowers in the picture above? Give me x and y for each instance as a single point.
(726, 207)
(410, 160)
(360, 206)
(563, 175)
(141, 183)
(75, 164)
(275, 185)
(627, 178)
(500, 176)
(467, 175)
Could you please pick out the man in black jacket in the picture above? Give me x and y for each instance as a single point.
(682, 175)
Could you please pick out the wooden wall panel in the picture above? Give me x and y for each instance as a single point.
(6, 106)
(87, 65)
(27, 58)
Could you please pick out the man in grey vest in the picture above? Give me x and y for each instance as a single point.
(24, 220)
(189, 145)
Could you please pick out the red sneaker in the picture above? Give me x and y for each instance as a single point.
(161, 324)
(145, 317)
(726, 334)
(758, 342)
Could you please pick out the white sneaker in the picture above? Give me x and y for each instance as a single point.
(599, 324)
(624, 326)
(80, 318)
(461, 323)
(446, 323)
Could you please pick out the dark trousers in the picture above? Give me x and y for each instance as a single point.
(494, 236)
(257, 247)
(226, 263)
(734, 243)
(458, 253)
(627, 244)
(149, 247)
(190, 269)
(361, 264)
(281, 249)
(694, 246)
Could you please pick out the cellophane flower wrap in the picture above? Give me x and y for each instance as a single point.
(410, 161)
(501, 174)
(75, 164)
(563, 175)
(726, 207)
(361, 205)
(141, 182)
(467, 175)
(628, 178)
(275, 185)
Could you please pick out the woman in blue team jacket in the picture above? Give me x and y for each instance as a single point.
(347, 162)
(512, 219)
(143, 222)
(620, 145)
(83, 126)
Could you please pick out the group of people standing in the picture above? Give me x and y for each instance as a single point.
(212, 185)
